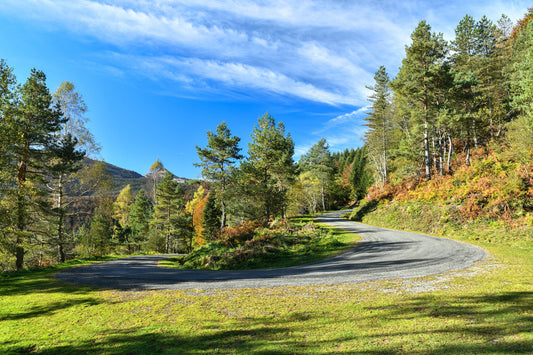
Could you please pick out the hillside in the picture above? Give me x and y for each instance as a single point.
(491, 200)
(122, 177)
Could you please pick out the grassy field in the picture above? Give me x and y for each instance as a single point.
(484, 309)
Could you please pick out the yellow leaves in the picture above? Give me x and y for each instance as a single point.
(122, 205)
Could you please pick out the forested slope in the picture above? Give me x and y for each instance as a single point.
(450, 138)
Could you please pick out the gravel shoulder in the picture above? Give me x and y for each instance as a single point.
(381, 254)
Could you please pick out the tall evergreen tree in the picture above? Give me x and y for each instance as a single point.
(212, 217)
(416, 80)
(139, 219)
(37, 122)
(521, 130)
(218, 161)
(359, 175)
(168, 209)
(379, 122)
(270, 165)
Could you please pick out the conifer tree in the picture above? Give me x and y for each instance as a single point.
(359, 176)
(139, 219)
(270, 165)
(168, 209)
(379, 122)
(37, 121)
(218, 161)
(212, 216)
(416, 81)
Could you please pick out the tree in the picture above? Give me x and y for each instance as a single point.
(8, 139)
(306, 192)
(155, 173)
(218, 161)
(359, 176)
(101, 229)
(139, 219)
(379, 122)
(270, 166)
(37, 122)
(168, 209)
(416, 80)
(122, 205)
(65, 160)
(195, 208)
(212, 216)
(520, 133)
(319, 163)
(74, 109)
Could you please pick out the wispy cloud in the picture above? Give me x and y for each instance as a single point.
(316, 50)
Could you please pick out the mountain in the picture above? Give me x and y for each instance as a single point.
(123, 177)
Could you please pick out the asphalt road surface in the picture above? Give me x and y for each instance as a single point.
(381, 254)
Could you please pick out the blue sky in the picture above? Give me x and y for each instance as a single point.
(157, 74)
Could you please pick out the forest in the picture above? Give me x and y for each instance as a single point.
(451, 105)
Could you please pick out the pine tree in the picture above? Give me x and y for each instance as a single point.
(37, 122)
(168, 209)
(416, 81)
(139, 219)
(101, 229)
(359, 176)
(270, 165)
(379, 122)
(212, 216)
(218, 161)
(520, 135)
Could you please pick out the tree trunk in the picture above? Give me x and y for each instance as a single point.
(441, 154)
(426, 148)
(61, 221)
(450, 151)
(21, 220)
(467, 160)
(322, 193)
(223, 217)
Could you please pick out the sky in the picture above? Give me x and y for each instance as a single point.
(156, 75)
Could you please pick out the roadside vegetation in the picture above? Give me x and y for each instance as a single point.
(250, 246)
(491, 201)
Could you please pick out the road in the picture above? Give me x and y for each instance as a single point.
(381, 254)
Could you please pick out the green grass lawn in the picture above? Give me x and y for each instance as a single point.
(484, 309)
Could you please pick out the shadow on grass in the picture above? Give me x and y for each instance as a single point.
(41, 279)
(38, 311)
(493, 324)
(364, 210)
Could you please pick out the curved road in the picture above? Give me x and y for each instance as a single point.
(381, 254)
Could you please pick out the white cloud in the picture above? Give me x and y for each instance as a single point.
(317, 50)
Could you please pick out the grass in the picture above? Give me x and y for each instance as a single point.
(271, 248)
(483, 309)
